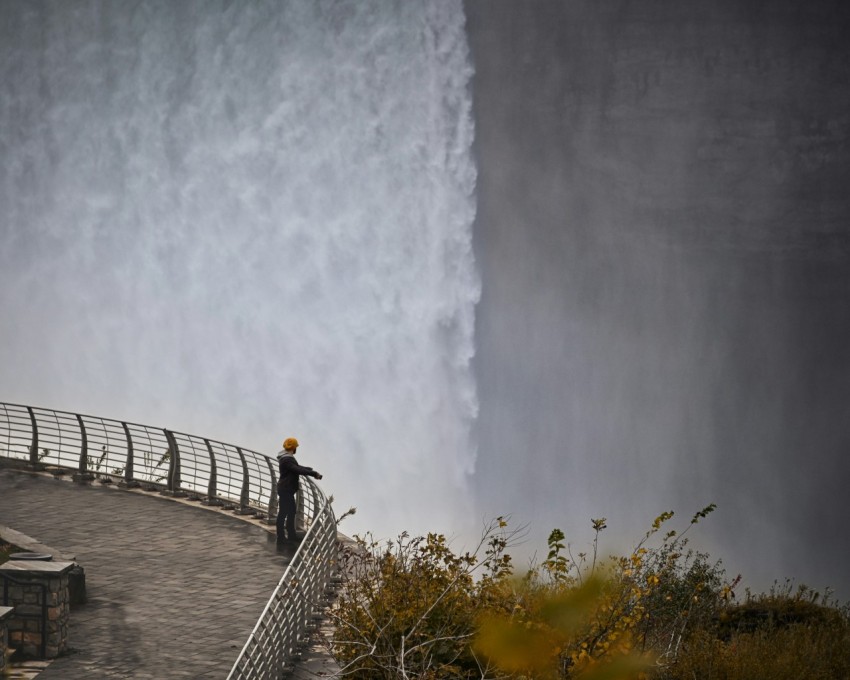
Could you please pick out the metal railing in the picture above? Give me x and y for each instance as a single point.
(214, 472)
(140, 455)
(285, 621)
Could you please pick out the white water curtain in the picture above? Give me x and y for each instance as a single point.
(249, 220)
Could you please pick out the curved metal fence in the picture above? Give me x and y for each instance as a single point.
(298, 597)
(139, 455)
(213, 472)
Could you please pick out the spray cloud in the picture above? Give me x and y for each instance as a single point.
(249, 221)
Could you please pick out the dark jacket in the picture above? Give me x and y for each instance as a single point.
(290, 470)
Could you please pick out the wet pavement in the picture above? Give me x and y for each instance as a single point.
(174, 589)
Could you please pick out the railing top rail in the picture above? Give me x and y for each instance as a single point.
(74, 414)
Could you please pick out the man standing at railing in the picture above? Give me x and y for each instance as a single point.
(287, 487)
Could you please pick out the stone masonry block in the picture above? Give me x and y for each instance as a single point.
(28, 610)
(26, 628)
(5, 615)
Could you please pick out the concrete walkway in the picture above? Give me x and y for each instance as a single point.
(174, 589)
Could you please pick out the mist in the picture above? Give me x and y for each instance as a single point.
(249, 221)
(664, 244)
(554, 260)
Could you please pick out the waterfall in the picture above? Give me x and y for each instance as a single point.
(249, 220)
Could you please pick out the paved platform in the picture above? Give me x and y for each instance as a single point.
(174, 589)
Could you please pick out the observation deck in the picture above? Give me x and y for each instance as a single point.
(175, 589)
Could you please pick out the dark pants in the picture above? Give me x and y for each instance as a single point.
(286, 515)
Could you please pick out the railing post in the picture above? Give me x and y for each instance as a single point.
(272, 504)
(212, 489)
(34, 443)
(83, 474)
(244, 496)
(128, 482)
(173, 486)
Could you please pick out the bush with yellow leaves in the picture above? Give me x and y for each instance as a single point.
(573, 618)
(786, 634)
(409, 607)
(412, 608)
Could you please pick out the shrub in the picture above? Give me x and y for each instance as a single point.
(794, 652)
(408, 607)
(574, 618)
(782, 635)
(7, 549)
(412, 608)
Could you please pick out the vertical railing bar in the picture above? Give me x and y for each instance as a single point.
(129, 472)
(112, 435)
(212, 486)
(244, 496)
(8, 431)
(34, 444)
(105, 457)
(173, 482)
(272, 504)
(173, 479)
(59, 456)
(151, 452)
(83, 474)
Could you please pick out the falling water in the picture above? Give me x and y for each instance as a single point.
(249, 220)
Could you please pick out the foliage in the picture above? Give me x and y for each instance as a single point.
(7, 549)
(782, 635)
(409, 606)
(412, 608)
(573, 618)
(783, 606)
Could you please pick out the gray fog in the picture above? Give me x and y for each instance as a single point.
(553, 260)
(663, 232)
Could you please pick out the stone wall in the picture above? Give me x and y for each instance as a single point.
(5, 614)
(39, 593)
